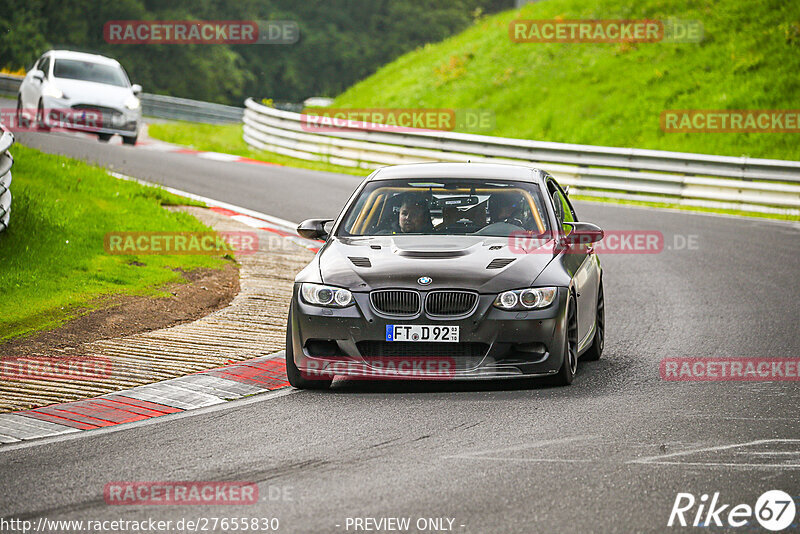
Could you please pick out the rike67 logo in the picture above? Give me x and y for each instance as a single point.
(774, 510)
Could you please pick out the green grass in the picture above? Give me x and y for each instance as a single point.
(227, 139)
(54, 266)
(610, 94)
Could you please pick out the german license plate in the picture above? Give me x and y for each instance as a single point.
(417, 332)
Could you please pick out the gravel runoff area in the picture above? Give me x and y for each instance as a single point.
(252, 325)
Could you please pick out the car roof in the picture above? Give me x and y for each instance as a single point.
(82, 56)
(495, 171)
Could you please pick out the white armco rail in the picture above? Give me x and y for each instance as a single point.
(759, 185)
(6, 140)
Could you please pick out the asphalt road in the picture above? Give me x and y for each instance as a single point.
(603, 455)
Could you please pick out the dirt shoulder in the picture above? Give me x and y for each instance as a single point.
(204, 291)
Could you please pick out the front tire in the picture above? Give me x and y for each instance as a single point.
(295, 376)
(23, 122)
(569, 367)
(129, 140)
(41, 124)
(596, 349)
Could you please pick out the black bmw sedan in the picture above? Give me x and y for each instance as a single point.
(448, 271)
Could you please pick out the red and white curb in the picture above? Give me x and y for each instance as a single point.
(185, 393)
(251, 218)
(216, 156)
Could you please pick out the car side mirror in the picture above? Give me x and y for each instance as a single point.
(583, 233)
(136, 88)
(38, 75)
(313, 229)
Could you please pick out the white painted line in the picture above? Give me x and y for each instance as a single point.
(17, 428)
(288, 225)
(219, 156)
(40, 424)
(199, 399)
(150, 396)
(479, 455)
(282, 224)
(715, 448)
(725, 418)
(8, 439)
(249, 221)
(723, 464)
(219, 387)
(13, 421)
(173, 396)
(530, 460)
(660, 460)
(203, 388)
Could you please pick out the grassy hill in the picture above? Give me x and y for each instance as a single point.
(610, 94)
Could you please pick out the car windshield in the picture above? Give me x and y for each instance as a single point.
(446, 207)
(74, 69)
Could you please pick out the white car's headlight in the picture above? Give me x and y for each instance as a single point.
(330, 297)
(526, 299)
(132, 103)
(52, 91)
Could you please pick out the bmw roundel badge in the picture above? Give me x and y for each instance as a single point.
(424, 280)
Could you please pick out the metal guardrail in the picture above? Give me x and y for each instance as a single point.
(760, 185)
(6, 140)
(160, 106)
(9, 84)
(170, 107)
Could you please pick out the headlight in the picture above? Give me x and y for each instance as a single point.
(526, 299)
(52, 91)
(132, 103)
(330, 297)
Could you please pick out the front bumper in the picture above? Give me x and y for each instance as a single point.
(492, 344)
(62, 113)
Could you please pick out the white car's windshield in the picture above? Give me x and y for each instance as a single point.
(74, 69)
(446, 207)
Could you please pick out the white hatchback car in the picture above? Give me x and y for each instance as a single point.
(81, 91)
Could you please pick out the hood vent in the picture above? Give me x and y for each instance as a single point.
(360, 262)
(499, 263)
